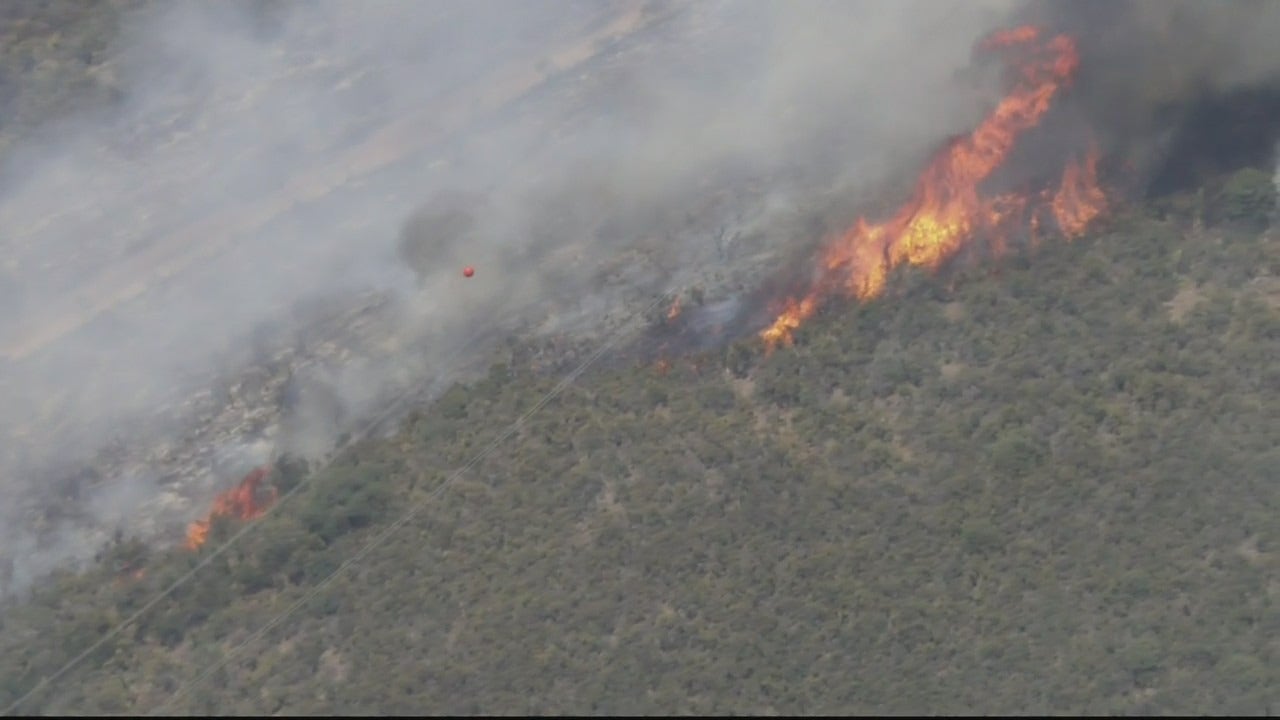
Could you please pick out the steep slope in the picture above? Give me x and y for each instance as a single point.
(88, 448)
(1044, 487)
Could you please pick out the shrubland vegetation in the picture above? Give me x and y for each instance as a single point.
(1044, 486)
(1047, 486)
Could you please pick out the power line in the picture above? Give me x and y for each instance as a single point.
(392, 408)
(414, 510)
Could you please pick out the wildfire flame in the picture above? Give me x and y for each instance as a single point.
(1079, 200)
(674, 311)
(946, 210)
(242, 502)
(130, 574)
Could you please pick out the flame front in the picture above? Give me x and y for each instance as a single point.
(946, 209)
(241, 502)
(1079, 200)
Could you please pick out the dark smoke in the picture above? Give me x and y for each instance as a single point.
(1174, 90)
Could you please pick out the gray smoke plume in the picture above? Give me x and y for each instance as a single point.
(1277, 176)
(1164, 80)
(296, 186)
(269, 169)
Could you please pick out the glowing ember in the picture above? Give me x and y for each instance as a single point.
(130, 574)
(241, 502)
(946, 210)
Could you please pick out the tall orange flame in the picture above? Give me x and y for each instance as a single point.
(242, 502)
(946, 209)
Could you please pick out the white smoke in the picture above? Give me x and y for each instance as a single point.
(1276, 177)
(252, 172)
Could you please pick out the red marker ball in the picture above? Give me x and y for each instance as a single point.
(468, 271)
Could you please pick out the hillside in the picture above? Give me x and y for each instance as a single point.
(1048, 487)
(168, 421)
(52, 60)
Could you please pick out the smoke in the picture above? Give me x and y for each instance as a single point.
(298, 184)
(1176, 89)
(267, 167)
(1276, 176)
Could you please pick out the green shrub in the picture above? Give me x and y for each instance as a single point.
(1248, 199)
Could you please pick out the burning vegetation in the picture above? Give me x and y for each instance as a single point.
(947, 210)
(246, 501)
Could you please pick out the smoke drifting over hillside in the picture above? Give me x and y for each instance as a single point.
(1175, 88)
(262, 162)
(266, 162)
